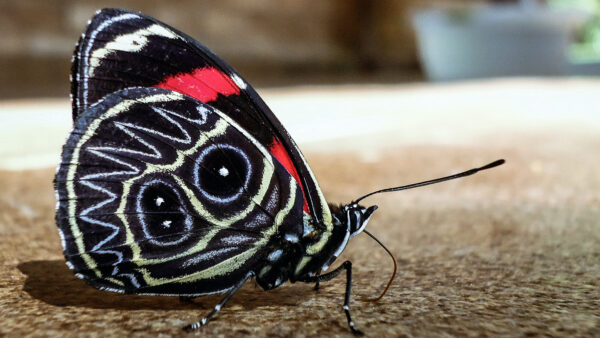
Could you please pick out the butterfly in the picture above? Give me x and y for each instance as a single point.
(177, 179)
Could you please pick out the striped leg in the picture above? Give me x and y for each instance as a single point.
(330, 275)
(204, 320)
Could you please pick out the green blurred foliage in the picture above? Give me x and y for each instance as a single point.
(586, 47)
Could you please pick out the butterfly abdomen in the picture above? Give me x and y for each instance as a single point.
(177, 178)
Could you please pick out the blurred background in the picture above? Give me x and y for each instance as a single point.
(318, 42)
(410, 67)
(377, 94)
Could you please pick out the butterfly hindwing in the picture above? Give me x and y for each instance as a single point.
(159, 193)
(122, 49)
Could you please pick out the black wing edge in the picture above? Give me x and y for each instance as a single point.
(261, 110)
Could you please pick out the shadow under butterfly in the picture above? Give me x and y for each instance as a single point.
(178, 180)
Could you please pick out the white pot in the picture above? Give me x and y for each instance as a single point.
(493, 41)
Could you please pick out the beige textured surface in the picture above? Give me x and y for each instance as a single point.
(512, 251)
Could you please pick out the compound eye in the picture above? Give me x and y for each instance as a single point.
(359, 217)
(355, 219)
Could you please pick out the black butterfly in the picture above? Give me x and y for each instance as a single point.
(177, 179)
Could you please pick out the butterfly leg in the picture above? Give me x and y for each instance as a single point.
(347, 265)
(204, 320)
(317, 283)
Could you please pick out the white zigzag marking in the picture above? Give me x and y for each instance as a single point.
(200, 121)
(187, 139)
(85, 212)
(86, 180)
(100, 152)
(128, 129)
(74, 165)
(131, 277)
(106, 153)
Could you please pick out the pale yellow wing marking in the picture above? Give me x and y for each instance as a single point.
(130, 42)
(114, 280)
(219, 129)
(315, 248)
(234, 262)
(90, 131)
(201, 210)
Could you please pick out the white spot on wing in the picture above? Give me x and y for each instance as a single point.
(223, 172)
(238, 81)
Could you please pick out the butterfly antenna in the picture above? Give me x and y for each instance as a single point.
(437, 180)
(393, 274)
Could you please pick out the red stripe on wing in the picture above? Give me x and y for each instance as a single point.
(278, 151)
(203, 84)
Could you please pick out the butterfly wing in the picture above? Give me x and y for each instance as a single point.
(123, 49)
(159, 193)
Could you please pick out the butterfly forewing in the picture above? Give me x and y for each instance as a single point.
(123, 49)
(160, 193)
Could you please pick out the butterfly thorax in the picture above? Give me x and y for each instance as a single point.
(298, 259)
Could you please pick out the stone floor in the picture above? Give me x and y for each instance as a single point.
(511, 251)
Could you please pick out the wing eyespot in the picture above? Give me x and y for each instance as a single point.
(222, 172)
(161, 213)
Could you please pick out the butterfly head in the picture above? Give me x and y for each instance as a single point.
(356, 217)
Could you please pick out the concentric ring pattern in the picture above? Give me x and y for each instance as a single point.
(159, 193)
